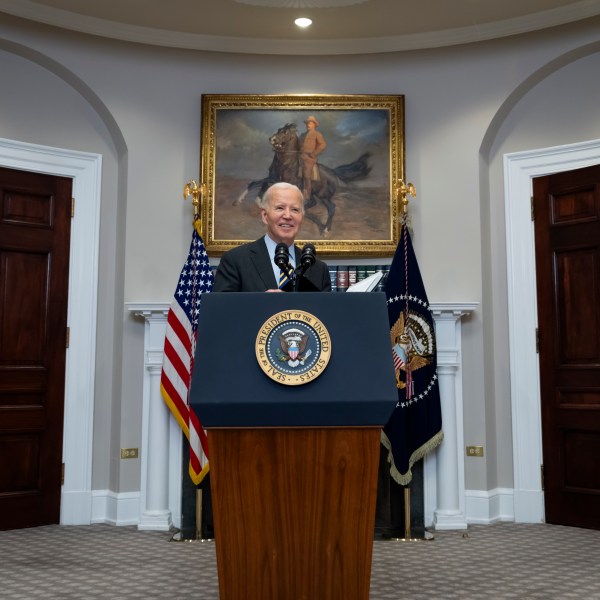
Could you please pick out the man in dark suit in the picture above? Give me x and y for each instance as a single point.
(250, 267)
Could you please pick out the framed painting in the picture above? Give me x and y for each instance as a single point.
(250, 142)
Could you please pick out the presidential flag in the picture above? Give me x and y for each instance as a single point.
(415, 426)
(196, 278)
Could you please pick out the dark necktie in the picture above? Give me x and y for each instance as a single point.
(285, 276)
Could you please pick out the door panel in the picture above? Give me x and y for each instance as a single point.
(577, 335)
(35, 226)
(22, 332)
(567, 234)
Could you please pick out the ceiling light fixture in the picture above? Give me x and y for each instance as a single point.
(303, 22)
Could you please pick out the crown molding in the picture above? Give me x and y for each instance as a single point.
(33, 11)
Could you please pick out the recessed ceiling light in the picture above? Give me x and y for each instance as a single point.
(303, 22)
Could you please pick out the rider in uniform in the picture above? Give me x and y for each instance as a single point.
(312, 144)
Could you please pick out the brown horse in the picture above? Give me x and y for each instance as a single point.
(286, 166)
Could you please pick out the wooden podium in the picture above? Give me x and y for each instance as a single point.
(294, 468)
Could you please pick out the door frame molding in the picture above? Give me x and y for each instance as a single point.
(519, 170)
(86, 170)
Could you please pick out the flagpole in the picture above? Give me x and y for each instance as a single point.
(403, 291)
(407, 531)
(401, 191)
(196, 192)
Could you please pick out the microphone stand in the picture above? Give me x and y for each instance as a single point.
(298, 273)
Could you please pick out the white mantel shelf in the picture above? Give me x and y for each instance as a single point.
(161, 460)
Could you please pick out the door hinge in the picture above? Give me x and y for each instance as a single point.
(532, 210)
(68, 336)
(537, 340)
(542, 476)
(72, 207)
(62, 474)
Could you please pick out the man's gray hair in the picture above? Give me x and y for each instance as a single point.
(280, 185)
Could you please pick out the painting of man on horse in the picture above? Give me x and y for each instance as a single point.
(318, 182)
(355, 191)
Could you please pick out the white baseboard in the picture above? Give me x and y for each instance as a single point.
(486, 507)
(529, 506)
(115, 509)
(75, 508)
(482, 507)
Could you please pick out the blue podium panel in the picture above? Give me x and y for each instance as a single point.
(234, 386)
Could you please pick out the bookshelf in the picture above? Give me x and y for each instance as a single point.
(345, 274)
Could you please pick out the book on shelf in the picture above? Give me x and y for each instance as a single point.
(369, 284)
(342, 278)
(352, 275)
(333, 277)
(361, 272)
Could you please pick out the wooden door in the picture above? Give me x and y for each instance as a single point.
(567, 240)
(35, 224)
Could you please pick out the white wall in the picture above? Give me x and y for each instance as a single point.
(140, 107)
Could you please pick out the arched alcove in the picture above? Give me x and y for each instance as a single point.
(526, 138)
(59, 125)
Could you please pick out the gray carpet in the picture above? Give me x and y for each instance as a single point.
(494, 561)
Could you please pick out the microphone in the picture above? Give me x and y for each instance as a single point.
(307, 260)
(282, 256)
(309, 256)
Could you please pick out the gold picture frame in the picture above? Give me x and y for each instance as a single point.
(248, 142)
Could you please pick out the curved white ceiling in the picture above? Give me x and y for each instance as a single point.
(339, 26)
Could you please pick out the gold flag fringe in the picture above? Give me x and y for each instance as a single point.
(418, 454)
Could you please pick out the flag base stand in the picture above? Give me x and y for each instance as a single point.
(199, 514)
(427, 536)
(179, 535)
(394, 521)
(196, 505)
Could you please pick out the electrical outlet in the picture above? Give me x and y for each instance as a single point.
(475, 451)
(129, 452)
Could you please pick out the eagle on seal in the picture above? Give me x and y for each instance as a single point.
(412, 344)
(293, 346)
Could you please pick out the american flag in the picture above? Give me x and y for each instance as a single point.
(196, 278)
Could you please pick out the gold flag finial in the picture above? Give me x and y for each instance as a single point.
(401, 191)
(196, 192)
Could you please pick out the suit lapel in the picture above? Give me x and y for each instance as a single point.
(262, 263)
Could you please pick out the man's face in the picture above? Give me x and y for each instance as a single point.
(283, 215)
(310, 125)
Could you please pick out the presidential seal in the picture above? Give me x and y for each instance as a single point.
(293, 347)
